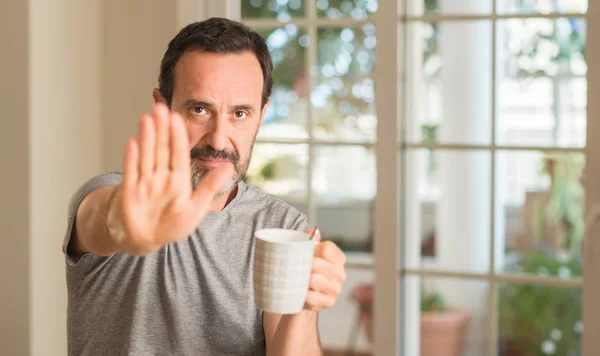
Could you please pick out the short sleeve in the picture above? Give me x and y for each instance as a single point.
(299, 222)
(103, 180)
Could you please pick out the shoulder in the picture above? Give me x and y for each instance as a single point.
(103, 179)
(271, 210)
(96, 182)
(267, 201)
(93, 183)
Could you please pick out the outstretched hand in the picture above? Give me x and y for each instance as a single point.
(156, 203)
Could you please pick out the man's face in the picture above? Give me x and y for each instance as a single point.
(219, 96)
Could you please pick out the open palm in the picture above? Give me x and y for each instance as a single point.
(155, 203)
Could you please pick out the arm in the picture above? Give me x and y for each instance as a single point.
(90, 233)
(296, 334)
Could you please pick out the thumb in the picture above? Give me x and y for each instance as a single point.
(316, 232)
(210, 185)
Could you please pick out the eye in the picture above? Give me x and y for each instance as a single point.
(198, 110)
(240, 115)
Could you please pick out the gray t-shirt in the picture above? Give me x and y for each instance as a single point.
(192, 297)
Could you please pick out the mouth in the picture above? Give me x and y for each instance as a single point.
(213, 161)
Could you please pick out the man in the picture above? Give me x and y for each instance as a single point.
(159, 258)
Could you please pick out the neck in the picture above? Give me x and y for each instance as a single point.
(221, 202)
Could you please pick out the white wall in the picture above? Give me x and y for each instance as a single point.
(64, 143)
(75, 77)
(136, 34)
(14, 189)
(50, 141)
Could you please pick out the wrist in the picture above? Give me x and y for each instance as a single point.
(302, 315)
(304, 321)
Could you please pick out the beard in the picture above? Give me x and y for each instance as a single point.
(199, 171)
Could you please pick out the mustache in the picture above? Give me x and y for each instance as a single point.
(207, 152)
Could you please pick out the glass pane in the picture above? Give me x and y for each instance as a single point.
(539, 321)
(542, 6)
(280, 170)
(449, 7)
(346, 328)
(449, 81)
(282, 10)
(542, 88)
(444, 316)
(286, 116)
(541, 196)
(344, 185)
(447, 210)
(356, 9)
(343, 98)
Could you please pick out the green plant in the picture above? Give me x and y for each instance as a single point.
(566, 199)
(432, 302)
(429, 134)
(267, 171)
(539, 320)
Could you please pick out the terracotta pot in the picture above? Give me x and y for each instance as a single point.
(442, 333)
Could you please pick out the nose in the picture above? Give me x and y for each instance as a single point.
(217, 135)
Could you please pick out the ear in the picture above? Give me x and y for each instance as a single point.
(157, 96)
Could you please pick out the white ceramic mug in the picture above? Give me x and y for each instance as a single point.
(282, 268)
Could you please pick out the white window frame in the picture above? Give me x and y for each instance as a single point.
(591, 291)
(388, 218)
(193, 10)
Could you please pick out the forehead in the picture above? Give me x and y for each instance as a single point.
(207, 75)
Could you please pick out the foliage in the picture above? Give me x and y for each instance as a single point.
(566, 204)
(559, 42)
(429, 133)
(268, 171)
(545, 46)
(433, 302)
(342, 87)
(539, 320)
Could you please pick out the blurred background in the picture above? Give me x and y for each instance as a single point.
(493, 118)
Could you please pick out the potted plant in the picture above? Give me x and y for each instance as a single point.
(442, 328)
(534, 319)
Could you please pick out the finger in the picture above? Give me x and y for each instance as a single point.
(317, 237)
(317, 301)
(162, 123)
(320, 283)
(328, 269)
(180, 147)
(211, 184)
(331, 252)
(130, 163)
(147, 143)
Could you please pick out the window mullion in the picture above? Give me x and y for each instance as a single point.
(310, 72)
(492, 297)
(591, 250)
